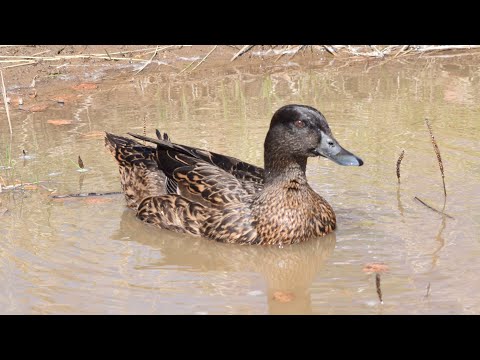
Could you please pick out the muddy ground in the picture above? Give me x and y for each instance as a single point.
(36, 76)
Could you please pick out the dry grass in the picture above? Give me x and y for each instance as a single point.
(437, 152)
(4, 93)
(146, 55)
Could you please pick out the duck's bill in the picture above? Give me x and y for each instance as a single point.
(331, 149)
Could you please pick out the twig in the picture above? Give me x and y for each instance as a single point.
(205, 58)
(428, 291)
(379, 290)
(399, 161)
(242, 51)
(431, 208)
(22, 64)
(188, 66)
(6, 104)
(85, 195)
(148, 62)
(20, 186)
(439, 158)
(405, 47)
(446, 47)
(330, 49)
(108, 54)
(297, 50)
(283, 53)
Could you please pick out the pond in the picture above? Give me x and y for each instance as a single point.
(92, 256)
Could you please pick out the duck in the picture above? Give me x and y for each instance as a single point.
(219, 197)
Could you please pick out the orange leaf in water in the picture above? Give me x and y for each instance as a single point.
(375, 267)
(85, 86)
(60, 122)
(283, 297)
(63, 98)
(97, 200)
(38, 107)
(94, 134)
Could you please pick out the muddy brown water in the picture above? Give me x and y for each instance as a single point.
(91, 256)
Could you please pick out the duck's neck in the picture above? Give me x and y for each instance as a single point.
(284, 168)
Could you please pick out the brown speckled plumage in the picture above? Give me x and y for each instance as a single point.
(202, 193)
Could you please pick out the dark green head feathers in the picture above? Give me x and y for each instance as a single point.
(219, 197)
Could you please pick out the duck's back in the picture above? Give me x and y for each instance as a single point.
(189, 190)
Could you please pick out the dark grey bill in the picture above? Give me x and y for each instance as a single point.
(331, 149)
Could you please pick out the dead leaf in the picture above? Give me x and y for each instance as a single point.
(60, 122)
(32, 94)
(15, 100)
(375, 267)
(3, 211)
(30, 187)
(94, 134)
(85, 86)
(63, 98)
(38, 107)
(97, 200)
(283, 297)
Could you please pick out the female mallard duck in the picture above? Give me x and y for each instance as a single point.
(219, 197)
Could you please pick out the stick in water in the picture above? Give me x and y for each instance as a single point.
(379, 290)
(437, 152)
(431, 208)
(399, 161)
(428, 291)
(84, 195)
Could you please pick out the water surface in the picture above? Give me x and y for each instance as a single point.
(91, 256)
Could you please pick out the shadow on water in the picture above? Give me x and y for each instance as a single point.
(288, 271)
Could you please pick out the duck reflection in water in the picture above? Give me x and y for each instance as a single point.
(288, 271)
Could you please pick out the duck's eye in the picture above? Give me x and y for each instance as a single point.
(299, 124)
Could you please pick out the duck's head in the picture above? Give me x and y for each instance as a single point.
(301, 131)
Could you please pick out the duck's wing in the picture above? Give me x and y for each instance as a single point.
(139, 172)
(250, 176)
(201, 181)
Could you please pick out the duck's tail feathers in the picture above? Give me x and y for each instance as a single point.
(140, 176)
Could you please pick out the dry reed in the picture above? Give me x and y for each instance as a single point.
(379, 290)
(399, 161)
(4, 92)
(80, 162)
(437, 152)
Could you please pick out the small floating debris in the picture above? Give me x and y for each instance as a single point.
(26, 156)
(80, 162)
(255, 293)
(375, 268)
(283, 296)
(38, 107)
(58, 122)
(81, 165)
(55, 173)
(85, 86)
